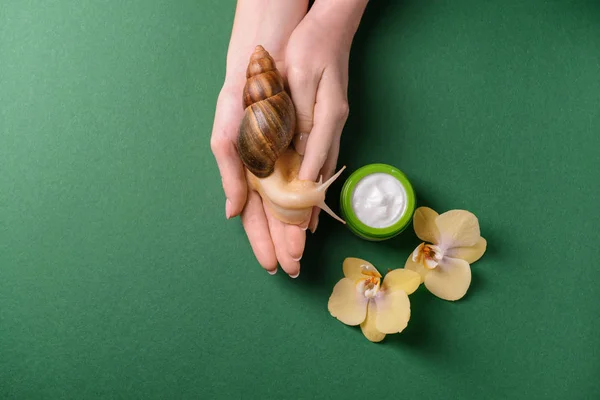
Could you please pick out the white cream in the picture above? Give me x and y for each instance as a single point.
(379, 200)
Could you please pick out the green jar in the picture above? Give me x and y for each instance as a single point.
(377, 202)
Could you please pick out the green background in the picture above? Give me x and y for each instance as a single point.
(121, 278)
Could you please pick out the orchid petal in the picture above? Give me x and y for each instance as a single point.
(424, 224)
(469, 254)
(347, 304)
(368, 326)
(458, 228)
(417, 253)
(393, 311)
(450, 280)
(356, 268)
(417, 267)
(401, 279)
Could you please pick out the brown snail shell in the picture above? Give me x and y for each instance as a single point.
(269, 121)
(265, 135)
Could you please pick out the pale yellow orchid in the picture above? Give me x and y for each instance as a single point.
(452, 241)
(380, 308)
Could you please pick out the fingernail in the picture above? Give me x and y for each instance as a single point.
(313, 229)
(297, 259)
(295, 276)
(227, 209)
(300, 143)
(272, 272)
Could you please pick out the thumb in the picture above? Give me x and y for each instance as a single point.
(228, 115)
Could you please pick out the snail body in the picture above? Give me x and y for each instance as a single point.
(290, 199)
(264, 139)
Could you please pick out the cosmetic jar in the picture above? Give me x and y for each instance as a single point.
(377, 202)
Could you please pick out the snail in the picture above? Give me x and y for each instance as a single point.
(264, 145)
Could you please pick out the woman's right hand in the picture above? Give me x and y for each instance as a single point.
(270, 24)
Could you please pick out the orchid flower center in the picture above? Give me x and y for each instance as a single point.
(428, 254)
(370, 283)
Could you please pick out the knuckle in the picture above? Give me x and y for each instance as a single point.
(338, 110)
(305, 122)
(218, 144)
(343, 110)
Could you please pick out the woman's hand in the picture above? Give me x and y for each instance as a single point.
(314, 61)
(317, 71)
(269, 23)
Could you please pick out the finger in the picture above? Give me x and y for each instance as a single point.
(326, 172)
(300, 140)
(257, 229)
(303, 85)
(331, 113)
(276, 227)
(330, 164)
(224, 136)
(295, 237)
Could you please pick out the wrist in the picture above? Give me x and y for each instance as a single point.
(341, 16)
(264, 22)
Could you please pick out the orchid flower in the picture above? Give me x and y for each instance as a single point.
(452, 242)
(380, 307)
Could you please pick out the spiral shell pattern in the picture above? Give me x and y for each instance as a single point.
(267, 127)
